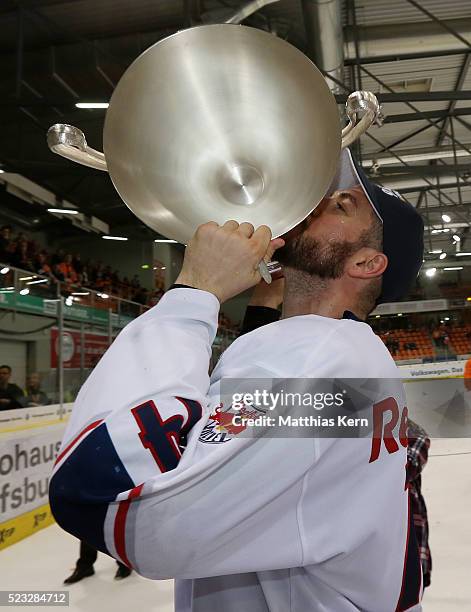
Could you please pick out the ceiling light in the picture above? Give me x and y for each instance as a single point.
(24, 292)
(37, 282)
(462, 254)
(165, 240)
(81, 293)
(386, 161)
(378, 317)
(63, 211)
(443, 230)
(25, 278)
(114, 238)
(447, 318)
(105, 296)
(456, 238)
(5, 270)
(399, 314)
(92, 104)
(69, 300)
(1, 171)
(454, 268)
(442, 256)
(435, 252)
(430, 272)
(145, 266)
(446, 218)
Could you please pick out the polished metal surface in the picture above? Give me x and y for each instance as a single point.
(248, 9)
(363, 109)
(221, 122)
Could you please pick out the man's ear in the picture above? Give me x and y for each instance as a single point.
(367, 264)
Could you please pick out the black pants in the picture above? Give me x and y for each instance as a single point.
(88, 556)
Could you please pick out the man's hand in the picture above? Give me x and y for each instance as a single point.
(224, 259)
(270, 296)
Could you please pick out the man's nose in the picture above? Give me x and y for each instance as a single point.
(315, 213)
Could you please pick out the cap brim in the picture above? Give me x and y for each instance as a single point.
(348, 175)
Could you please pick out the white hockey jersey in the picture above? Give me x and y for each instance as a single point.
(244, 524)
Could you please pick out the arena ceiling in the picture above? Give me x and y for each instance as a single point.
(415, 54)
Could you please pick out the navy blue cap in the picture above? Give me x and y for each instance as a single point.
(403, 229)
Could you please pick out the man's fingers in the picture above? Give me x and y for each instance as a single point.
(275, 244)
(261, 239)
(230, 226)
(246, 229)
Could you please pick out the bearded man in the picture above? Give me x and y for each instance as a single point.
(256, 523)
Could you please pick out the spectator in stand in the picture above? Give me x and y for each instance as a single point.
(24, 256)
(67, 270)
(437, 337)
(12, 253)
(57, 257)
(77, 263)
(11, 396)
(392, 346)
(56, 272)
(126, 288)
(27, 254)
(141, 296)
(35, 396)
(84, 278)
(41, 266)
(96, 276)
(5, 239)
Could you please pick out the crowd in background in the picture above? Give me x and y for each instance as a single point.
(20, 251)
(13, 396)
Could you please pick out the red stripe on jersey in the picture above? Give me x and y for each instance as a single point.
(120, 524)
(77, 438)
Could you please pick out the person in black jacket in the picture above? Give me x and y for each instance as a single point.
(11, 396)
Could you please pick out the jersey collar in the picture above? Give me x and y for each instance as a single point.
(349, 315)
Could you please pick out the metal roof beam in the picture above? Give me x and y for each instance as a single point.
(396, 56)
(451, 107)
(438, 114)
(419, 96)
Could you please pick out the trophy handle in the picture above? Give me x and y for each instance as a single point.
(362, 104)
(69, 142)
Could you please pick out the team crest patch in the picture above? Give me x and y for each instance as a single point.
(220, 427)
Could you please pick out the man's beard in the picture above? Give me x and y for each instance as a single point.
(326, 261)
